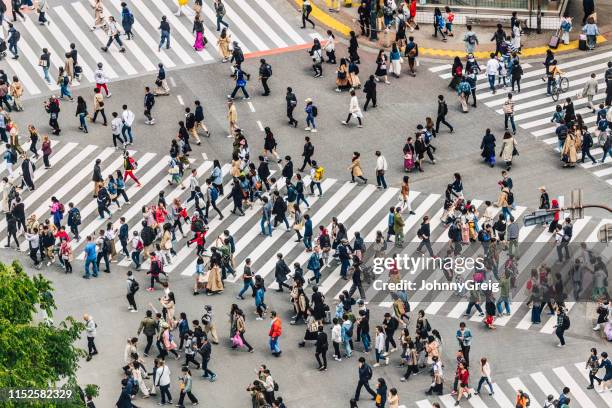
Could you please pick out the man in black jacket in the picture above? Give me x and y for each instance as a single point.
(291, 104)
(280, 272)
(307, 153)
(288, 169)
(441, 116)
(608, 77)
(206, 350)
(148, 236)
(370, 90)
(279, 210)
(263, 172)
(149, 101)
(499, 37)
(365, 375)
(265, 72)
(321, 348)
(97, 177)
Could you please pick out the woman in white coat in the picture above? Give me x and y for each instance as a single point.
(354, 110)
(330, 47)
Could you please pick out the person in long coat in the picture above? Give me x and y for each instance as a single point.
(355, 168)
(27, 172)
(507, 149)
(488, 148)
(215, 284)
(569, 150)
(342, 78)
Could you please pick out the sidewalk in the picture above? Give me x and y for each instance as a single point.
(533, 44)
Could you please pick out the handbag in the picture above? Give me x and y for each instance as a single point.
(173, 170)
(237, 340)
(515, 151)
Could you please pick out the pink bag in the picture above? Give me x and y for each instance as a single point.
(237, 341)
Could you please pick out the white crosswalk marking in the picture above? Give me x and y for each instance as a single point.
(63, 14)
(606, 396)
(534, 108)
(210, 14)
(65, 44)
(33, 59)
(423, 404)
(154, 24)
(547, 388)
(56, 61)
(260, 22)
(28, 83)
(245, 28)
(276, 17)
(500, 397)
(176, 25)
(578, 395)
(122, 61)
(517, 385)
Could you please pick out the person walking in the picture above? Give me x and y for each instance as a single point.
(365, 375)
(185, 386)
(164, 29)
(241, 82)
(91, 332)
(370, 90)
(275, 333)
(232, 117)
(114, 34)
(508, 108)
(354, 110)
(321, 347)
(219, 14)
(44, 62)
(424, 234)
(464, 337)
(381, 168)
(265, 72)
(563, 324)
(101, 82)
(441, 115)
(127, 117)
(13, 38)
(485, 376)
(590, 90)
(306, 10)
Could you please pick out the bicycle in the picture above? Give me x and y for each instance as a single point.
(559, 86)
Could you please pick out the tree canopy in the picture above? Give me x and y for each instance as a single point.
(35, 353)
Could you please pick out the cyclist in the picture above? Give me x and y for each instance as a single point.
(554, 74)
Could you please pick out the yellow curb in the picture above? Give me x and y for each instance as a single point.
(324, 18)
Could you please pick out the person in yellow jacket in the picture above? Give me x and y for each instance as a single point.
(182, 8)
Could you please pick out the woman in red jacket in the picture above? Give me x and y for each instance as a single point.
(464, 388)
(275, 332)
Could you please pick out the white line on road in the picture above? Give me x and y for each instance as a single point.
(180, 99)
(251, 107)
(260, 125)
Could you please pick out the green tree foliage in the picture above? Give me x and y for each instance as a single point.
(35, 353)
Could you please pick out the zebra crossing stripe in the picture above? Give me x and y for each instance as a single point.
(38, 38)
(211, 15)
(33, 59)
(501, 398)
(154, 23)
(282, 23)
(25, 78)
(67, 148)
(606, 396)
(545, 385)
(579, 396)
(363, 220)
(423, 404)
(245, 28)
(84, 40)
(447, 400)
(17, 171)
(122, 61)
(517, 384)
(182, 30)
(65, 44)
(477, 402)
(92, 206)
(132, 47)
(592, 238)
(175, 193)
(260, 23)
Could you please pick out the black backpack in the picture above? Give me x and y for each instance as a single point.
(510, 198)
(76, 216)
(269, 69)
(315, 111)
(134, 286)
(566, 322)
(13, 156)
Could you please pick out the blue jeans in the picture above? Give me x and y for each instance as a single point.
(380, 180)
(13, 49)
(82, 121)
(300, 197)
(46, 72)
(165, 38)
(491, 82)
(365, 340)
(317, 274)
(508, 116)
(274, 346)
(482, 381)
(127, 129)
(262, 224)
(244, 91)
(310, 122)
(379, 356)
(245, 286)
(506, 212)
(92, 262)
(219, 22)
(549, 85)
(308, 241)
(64, 91)
(136, 258)
(347, 346)
(606, 153)
(344, 267)
(535, 313)
(501, 303)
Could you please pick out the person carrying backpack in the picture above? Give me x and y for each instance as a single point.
(265, 72)
(563, 324)
(132, 288)
(365, 375)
